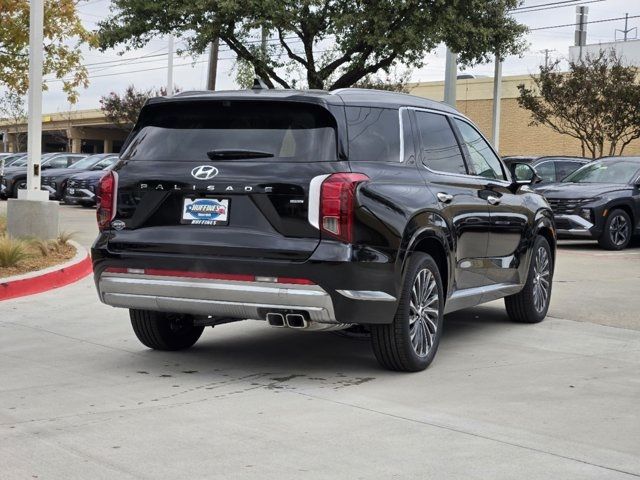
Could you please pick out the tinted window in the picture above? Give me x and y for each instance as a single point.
(546, 171)
(186, 131)
(57, 162)
(439, 148)
(484, 162)
(564, 168)
(374, 134)
(606, 172)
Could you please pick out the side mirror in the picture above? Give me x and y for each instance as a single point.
(524, 174)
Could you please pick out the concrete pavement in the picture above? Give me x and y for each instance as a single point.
(81, 398)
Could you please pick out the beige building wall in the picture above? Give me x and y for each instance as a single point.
(517, 136)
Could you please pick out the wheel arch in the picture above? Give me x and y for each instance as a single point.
(627, 208)
(431, 235)
(545, 227)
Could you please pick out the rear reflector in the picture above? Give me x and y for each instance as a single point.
(210, 276)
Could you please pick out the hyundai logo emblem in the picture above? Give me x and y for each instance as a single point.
(204, 172)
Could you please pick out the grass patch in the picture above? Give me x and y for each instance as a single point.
(23, 256)
(12, 251)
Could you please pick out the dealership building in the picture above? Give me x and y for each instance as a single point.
(89, 131)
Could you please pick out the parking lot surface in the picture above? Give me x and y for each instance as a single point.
(81, 398)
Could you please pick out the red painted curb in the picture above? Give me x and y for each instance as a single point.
(47, 281)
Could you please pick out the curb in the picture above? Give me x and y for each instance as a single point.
(48, 279)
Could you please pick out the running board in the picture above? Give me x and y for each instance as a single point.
(470, 297)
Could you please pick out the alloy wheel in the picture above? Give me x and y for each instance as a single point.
(424, 312)
(618, 230)
(541, 279)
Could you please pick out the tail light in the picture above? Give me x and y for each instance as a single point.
(337, 195)
(106, 194)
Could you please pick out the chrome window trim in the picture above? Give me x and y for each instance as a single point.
(401, 122)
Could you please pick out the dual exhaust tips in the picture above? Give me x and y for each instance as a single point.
(291, 320)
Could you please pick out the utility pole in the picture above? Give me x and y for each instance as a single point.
(582, 14)
(170, 67)
(450, 78)
(497, 97)
(263, 43)
(627, 30)
(32, 214)
(546, 52)
(213, 64)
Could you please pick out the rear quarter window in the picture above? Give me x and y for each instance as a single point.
(374, 134)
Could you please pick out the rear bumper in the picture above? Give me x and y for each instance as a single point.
(343, 292)
(214, 297)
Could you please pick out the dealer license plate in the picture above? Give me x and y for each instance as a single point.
(205, 211)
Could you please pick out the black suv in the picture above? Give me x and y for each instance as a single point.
(600, 201)
(316, 211)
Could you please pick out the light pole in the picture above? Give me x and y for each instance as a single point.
(32, 214)
(170, 67)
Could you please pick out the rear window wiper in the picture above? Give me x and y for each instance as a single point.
(237, 154)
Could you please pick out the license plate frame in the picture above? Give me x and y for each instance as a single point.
(212, 212)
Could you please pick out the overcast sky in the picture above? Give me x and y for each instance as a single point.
(116, 77)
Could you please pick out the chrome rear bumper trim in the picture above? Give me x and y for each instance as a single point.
(367, 295)
(213, 297)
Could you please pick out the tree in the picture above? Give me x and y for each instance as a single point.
(368, 37)
(123, 110)
(63, 36)
(597, 102)
(13, 112)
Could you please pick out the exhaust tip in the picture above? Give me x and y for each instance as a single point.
(275, 319)
(296, 320)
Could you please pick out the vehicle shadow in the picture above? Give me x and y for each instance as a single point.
(591, 246)
(260, 350)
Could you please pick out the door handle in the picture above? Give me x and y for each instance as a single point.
(444, 197)
(493, 200)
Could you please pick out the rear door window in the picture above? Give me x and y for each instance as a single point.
(190, 131)
(439, 148)
(374, 134)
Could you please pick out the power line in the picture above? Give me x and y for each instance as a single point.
(561, 3)
(585, 23)
(578, 2)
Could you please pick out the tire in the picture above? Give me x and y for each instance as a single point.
(392, 343)
(531, 304)
(164, 331)
(617, 231)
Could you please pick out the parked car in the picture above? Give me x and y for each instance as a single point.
(54, 180)
(600, 201)
(15, 176)
(316, 211)
(81, 187)
(550, 169)
(9, 159)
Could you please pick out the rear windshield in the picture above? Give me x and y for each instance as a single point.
(283, 131)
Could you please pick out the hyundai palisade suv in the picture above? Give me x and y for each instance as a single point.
(600, 201)
(316, 211)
